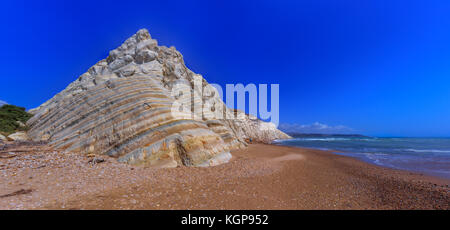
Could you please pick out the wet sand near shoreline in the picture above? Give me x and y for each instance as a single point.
(259, 177)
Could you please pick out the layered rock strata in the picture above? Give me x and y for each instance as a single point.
(123, 107)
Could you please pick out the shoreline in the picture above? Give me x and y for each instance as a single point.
(424, 175)
(260, 177)
(431, 176)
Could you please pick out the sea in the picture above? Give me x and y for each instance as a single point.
(423, 155)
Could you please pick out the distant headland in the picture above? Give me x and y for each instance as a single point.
(315, 135)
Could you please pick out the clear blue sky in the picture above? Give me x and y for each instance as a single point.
(379, 67)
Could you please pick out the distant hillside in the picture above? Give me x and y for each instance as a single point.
(11, 117)
(2, 103)
(312, 135)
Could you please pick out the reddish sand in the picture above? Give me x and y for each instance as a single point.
(260, 177)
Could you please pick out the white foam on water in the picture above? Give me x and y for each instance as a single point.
(427, 151)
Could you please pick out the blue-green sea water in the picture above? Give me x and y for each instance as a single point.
(425, 155)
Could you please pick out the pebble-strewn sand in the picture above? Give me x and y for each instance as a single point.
(260, 177)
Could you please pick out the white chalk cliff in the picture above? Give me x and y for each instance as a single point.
(121, 107)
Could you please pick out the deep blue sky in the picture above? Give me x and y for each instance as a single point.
(379, 67)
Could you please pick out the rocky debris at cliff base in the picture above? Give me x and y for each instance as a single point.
(96, 160)
(19, 136)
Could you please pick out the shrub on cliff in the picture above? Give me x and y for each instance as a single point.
(10, 118)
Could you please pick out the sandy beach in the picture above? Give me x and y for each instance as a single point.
(259, 177)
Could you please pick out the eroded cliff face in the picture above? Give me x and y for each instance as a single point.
(122, 107)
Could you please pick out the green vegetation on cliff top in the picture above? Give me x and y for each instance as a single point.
(9, 117)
